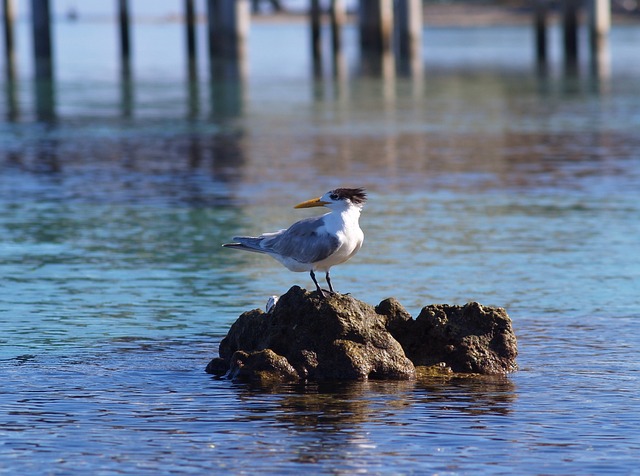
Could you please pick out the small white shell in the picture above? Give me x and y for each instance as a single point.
(271, 302)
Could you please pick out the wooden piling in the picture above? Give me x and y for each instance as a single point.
(409, 21)
(540, 24)
(338, 18)
(338, 15)
(10, 65)
(228, 27)
(41, 27)
(9, 45)
(42, 49)
(315, 19)
(227, 33)
(126, 81)
(409, 24)
(599, 22)
(570, 31)
(190, 25)
(376, 25)
(193, 93)
(599, 27)
(125, 37)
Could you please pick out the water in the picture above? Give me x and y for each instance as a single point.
(488, 182)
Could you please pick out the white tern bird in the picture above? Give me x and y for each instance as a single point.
(316, 243)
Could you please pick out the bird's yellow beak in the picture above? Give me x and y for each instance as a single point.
(315, 202)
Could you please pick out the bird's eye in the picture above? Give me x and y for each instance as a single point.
(333, 196)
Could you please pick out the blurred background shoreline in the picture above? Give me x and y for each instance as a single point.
(436, 13)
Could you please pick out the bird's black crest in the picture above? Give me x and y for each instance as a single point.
(356, 195)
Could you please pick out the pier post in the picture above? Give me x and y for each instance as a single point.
(41, 26)
(315, 18)
(228, 27)
(190, 24)
(8, 18)
(599, 22)
(10, 66)
(599, 27)
(192, 63)
(376, 37)
(126, 82)
(376, 25)
(228, 31)
(540, 23)
(44, 88)
(570, 31)
(338, 16)
(409, 21)
(125, 37)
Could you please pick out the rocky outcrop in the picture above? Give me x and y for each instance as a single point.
(470, 338)
(307, 337)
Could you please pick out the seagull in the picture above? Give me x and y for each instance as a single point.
(316, 243)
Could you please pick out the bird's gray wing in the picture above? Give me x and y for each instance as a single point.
(303, 241)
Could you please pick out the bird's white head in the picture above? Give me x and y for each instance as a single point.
(338, 199)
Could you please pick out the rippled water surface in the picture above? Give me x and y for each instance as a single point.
(488, 179)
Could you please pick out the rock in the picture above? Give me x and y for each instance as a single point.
(263, 365)
(397, 318)
(334, 338)
(217, 366)
(306, 337)
(470, 338)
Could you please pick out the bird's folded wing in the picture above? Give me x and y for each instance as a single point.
(303, 241)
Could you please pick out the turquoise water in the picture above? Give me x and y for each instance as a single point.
(487, 181)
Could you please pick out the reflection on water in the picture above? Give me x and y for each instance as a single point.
(145, 395)
(481, 131)
(346, 426)
(488, 182)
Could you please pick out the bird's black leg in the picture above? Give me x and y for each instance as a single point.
(313, 276)
(329, 282)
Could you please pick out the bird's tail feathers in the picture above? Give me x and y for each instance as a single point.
(245, 243)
